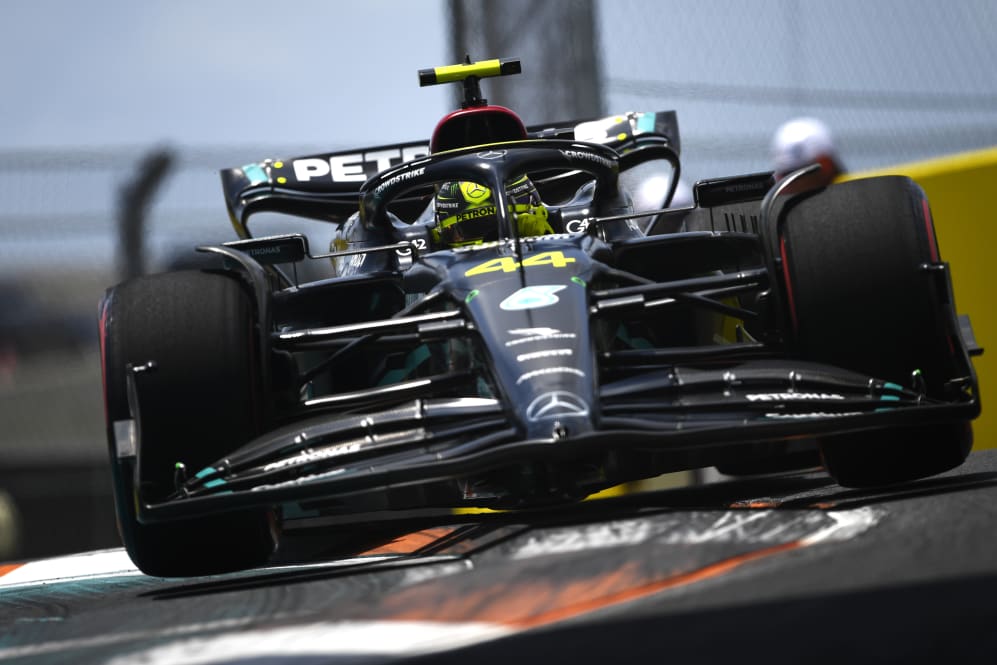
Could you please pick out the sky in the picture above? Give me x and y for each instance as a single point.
(330, 73)
(190, 72)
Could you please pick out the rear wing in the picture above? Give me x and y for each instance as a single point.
(326, 186)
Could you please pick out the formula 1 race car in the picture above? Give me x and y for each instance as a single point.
(341, 359)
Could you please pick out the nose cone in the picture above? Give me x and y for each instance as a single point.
(541, 353)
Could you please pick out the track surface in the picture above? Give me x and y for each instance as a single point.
(791, 569)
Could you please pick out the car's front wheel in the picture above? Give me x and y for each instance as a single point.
(201, 402)
(857, 261)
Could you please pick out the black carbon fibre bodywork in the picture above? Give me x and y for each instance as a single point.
(524, 371)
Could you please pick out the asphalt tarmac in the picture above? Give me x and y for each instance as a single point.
(778, 570)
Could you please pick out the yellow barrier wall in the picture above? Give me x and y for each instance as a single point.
(958, 188)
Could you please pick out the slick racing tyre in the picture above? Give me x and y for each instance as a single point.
(859, 296)
(200, 402)
(886, 457)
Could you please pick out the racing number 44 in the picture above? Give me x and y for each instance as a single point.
(509, 264)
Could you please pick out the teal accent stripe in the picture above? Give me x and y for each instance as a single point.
(205, 472)
(215, 483)
(412, 361)
(645, 122)
(255, 174)
(889, 398)
(892, 386)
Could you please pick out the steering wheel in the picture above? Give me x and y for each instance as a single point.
(491, 165)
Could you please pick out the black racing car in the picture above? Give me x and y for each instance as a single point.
(367, 368)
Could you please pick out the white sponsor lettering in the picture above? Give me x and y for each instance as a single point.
(306, 169)
(549, 370)
(815, 414)
(401, 177)
(355, 166)
(548, 237)
(786, 397)
(533, 332)
(309, 456)
(301, 480)
(418, 243)
(537, 335)
(548, 353)
(347, 168)
(255, 251)
(588, 157)
(356, 261)
(541, 338)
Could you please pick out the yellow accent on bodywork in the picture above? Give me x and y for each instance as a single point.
(448, 73)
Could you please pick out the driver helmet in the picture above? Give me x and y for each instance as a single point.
(466, 213)
(801, 142)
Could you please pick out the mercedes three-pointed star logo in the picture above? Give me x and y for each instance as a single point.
(557, 404)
